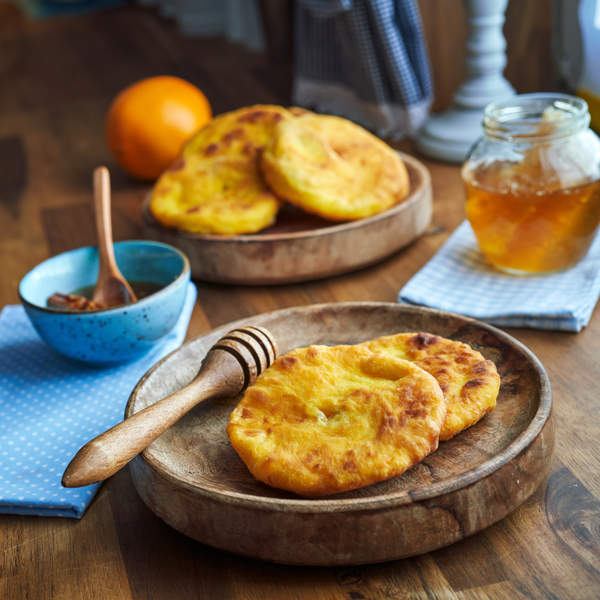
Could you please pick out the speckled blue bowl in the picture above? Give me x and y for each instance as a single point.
(115, 335)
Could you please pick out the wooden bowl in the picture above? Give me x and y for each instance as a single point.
(192, 478)
(301, 246)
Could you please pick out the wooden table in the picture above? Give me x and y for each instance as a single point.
(57, 79)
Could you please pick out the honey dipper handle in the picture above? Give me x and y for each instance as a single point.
(110, 451)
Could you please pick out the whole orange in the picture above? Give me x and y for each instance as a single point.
(149, 121)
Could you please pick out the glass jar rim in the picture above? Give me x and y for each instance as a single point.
(522, 117)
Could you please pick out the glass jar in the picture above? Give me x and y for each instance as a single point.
(533, 183)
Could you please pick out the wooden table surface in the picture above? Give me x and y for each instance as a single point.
(57, 78)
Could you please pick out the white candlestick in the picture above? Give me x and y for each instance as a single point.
(449, 135)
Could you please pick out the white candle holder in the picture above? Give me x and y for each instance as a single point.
(448, 136)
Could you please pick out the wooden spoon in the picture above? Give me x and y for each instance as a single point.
(230, 366)
(112, 288)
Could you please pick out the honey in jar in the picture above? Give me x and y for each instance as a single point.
(533, 183)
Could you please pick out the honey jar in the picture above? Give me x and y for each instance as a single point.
(533, 183)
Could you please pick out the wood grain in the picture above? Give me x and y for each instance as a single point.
(58, 79)
(13, 173)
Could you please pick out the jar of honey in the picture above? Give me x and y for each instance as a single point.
(533, 183)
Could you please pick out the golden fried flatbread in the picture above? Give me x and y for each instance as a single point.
(323, 420)
(243, 132)
(334, 168)
(470, 382)
(218, 195)
(216, 186)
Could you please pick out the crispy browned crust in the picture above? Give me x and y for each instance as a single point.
(222, 195)
(323, 420)
(243, 132)
(470, 382)
(216, 186)
(334, 168)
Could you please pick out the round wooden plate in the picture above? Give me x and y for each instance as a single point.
(301, 246)
(192, 478)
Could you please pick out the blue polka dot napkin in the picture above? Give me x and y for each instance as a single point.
(50, 406)
(458, 279)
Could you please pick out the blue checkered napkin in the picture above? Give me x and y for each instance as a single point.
(51, 406)
(365, 60)
(458, 279)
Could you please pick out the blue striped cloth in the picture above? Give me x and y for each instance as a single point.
(50, 406)
(365, 60)
(458, 279)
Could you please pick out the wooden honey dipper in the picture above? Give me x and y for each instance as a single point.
(230, 366)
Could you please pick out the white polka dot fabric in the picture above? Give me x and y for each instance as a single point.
(50, 406)
(458, 279)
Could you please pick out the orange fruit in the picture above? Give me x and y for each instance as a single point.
(148, 123)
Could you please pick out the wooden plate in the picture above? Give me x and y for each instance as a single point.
(300, 246)
(192, 478)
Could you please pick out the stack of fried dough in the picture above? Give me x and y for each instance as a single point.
(237, 171)
(323, 420)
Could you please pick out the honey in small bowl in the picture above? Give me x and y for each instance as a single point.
(533, 183)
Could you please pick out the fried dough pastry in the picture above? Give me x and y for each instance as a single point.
(334, 168)
(243, 132)
(469, 382)
(216, 186)
(220, 195)
(323, 420)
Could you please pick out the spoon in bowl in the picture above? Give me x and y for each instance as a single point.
(112, 288)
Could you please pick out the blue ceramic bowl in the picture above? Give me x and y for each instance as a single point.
(118, 334)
